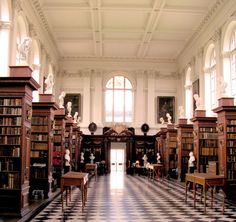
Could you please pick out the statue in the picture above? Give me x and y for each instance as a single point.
(69, 108)
(145, 158)
(82, 157)
(23, 49)
(181, 112)
(222, 86)
(75, 117)
(67, 161)
(49, 81)
(191, 162)
(158, 158)
(61, 99)
(168, 118)
(197, 101)
(162, 120)
(91, 157)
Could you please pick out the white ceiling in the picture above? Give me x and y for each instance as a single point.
(132, 29)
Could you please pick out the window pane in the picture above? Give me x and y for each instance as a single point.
(118, 105)
(110, 84)
(119, 82)
(108, 105)
(128, 84)
(128, 105)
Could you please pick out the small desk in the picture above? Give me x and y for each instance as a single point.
(91, 167)
(155, 170)
(206, 180)
(75, 179)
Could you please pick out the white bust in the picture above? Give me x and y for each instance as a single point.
(181, 112)
(75, 117)
(61, 99)
(191, 159)
(49, 81)
(91, 157)
(158, 158)
(197, 101)
(162, 120)
(69, 108)
(82, 157)
(145, 158)
(67, 157)
(168, 118)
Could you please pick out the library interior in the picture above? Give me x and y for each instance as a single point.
(115, 110)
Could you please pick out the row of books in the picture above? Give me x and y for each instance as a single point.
(10, 102)
(10, 111)
(207, 130)
(39, 120)
(231, 151)
(206, 151)
(10, 152)
(10, 121)
(10, 139)
(208, 135)
(10, 130)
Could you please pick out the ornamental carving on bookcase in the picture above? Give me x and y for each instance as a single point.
(28, 112)
(195, 133)
(28, 132)
(220, 128)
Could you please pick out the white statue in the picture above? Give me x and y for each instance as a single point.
(78, 120)
(91, 157)
(168, 118)
(162, 120)
(49, 81)
(23, 49)
(75, 117)
(61, 99)
(181, 112)
(69, 108)
(197, 101)
(145, 158)
(191, 162)
(222, 86)
(67, 161)
(158, 158)
(82, 157)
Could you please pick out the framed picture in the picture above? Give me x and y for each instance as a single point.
(165, 104)
(75, 99)
(195, 90)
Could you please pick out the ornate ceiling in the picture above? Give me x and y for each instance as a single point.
(124, 29)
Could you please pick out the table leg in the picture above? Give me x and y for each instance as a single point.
(62, 204)
(204, 198)
(212, 197)
(194, 195)
(186, 190)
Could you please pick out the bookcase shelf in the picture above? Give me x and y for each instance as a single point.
(58, 145)
(42, 147)
(185, 146)
(15, 127)
(226, 124)
(205, 141)
(75, 146)
(171, 152)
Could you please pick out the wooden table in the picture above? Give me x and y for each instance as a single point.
(91, 167)
(155, 170)
(206, 180)
(74, 179)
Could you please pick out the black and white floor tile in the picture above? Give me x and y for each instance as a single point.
(120, 197)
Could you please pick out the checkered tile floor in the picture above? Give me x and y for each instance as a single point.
(121, 197)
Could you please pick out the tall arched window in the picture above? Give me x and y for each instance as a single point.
(233, 63)
(188, 95)
(118, 100)
(210, 80)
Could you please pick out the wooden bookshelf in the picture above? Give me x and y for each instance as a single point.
(185, 146)
(171, 152)
(161, 147)
(15, 126)
(58, 145)
(41, 147)
(68, 136)
(226, 118)
(75, 146)
(205, 141)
